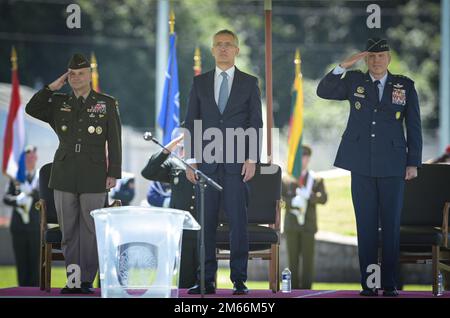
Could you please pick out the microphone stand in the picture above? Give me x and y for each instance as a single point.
(203, 180)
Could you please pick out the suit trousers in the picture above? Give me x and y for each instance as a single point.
(79, 244)
(378, 201)
(233, 200)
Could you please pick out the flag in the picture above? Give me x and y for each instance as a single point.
(197, 62)
(169, 116)
(95, 76)
(13, 164)
(296, 123)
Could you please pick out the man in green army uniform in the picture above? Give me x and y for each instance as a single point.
(163, 168)
(86, 165)
(300, 223)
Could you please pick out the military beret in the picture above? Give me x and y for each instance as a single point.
(377, 45)
(78, 61)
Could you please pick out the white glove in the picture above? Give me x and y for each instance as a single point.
(299, 201)
(24, 203)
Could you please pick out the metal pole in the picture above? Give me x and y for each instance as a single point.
(444, 104)
(268, 32)
(162, 49)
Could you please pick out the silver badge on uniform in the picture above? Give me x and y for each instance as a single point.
(357, 105)
(175, 180)
(98, 130)
(91, 129)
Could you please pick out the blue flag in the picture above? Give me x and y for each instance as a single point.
(169, 116)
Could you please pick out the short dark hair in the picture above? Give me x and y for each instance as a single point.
(306, 151)
(226, 31)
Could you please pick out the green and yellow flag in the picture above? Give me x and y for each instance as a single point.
(295, 135)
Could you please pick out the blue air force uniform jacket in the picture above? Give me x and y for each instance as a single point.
(374, 142)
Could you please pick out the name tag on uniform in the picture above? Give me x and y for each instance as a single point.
(399, 96)
(359, 95)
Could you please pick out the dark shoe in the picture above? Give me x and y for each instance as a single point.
(390, 293)
(86, 288)
(209, 289)
(369, 292)
(239, 288)
(66, 290)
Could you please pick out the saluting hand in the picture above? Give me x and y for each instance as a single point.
(348, 62)
(173, 143)
(56, 85)
(411, 173)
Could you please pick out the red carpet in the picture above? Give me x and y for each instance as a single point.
(224, 293)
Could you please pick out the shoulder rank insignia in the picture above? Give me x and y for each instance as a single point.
(398, 85)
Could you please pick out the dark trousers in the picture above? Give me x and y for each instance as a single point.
(189, 263)
(378, 200)
(300, 244)
(233, 200)
(26, 253)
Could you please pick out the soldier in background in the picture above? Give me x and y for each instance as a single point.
(163, 168)
(82, 171)
(300, 222)
(25, 218)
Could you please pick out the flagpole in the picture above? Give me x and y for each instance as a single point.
(269, 97)
(162, 48)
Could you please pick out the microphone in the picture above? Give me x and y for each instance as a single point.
(148, 136)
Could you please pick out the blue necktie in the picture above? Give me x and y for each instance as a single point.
(377, 88)
(223, 93)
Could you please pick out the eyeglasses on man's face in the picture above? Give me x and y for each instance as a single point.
(224, 45)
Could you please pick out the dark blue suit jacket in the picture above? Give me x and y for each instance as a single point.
(374, 142)
(243, 110)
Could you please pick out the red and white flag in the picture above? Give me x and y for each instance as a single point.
(13, 164)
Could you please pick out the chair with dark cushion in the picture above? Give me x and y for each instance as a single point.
(425, 219)
(263, 222)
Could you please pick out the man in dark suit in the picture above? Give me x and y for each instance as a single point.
(220, 101)
(375, 150)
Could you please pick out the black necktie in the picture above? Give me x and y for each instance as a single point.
(377, 90)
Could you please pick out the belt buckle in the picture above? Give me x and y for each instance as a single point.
(77, 147)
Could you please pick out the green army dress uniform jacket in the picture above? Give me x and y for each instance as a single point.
(84, 127)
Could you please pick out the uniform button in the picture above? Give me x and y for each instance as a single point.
(193, 197)
(375, 110)
(79, 129)
(221, 121)
(79, 139)
(80, 120)
(373, 123)
(373, 135)
(192, 208)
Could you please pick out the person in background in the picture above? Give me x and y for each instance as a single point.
(300, 222)
(124, 189)
(25, 218)
(162, 167)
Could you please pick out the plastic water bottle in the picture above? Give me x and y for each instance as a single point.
(286, 281)
(440, 290)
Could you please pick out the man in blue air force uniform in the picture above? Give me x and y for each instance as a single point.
(375, 150)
